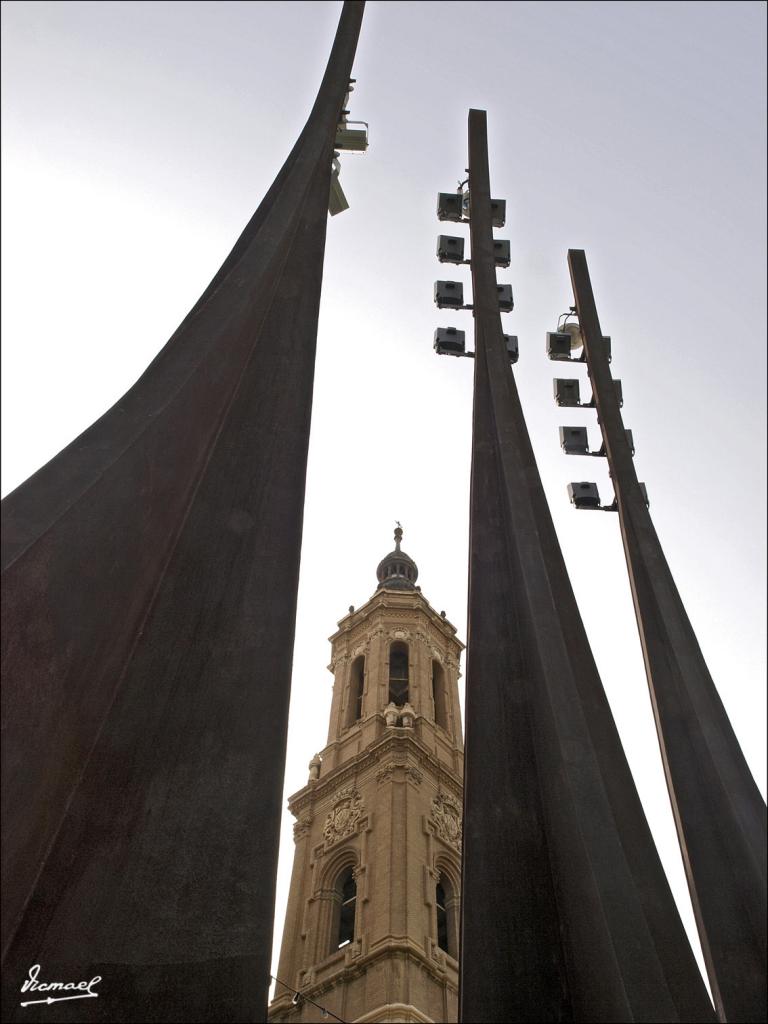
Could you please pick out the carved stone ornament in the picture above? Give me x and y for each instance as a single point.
(384, 774)
(343, 819)
(301, 828)
(407, 715)
(391, 715)
(338, 661)
(446, 814)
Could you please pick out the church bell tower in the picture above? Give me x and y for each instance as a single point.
(372, 925)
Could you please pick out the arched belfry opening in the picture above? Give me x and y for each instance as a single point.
(356, 686)
(447, 916)
(345, 907)
(398, 673)
(442, 917)
(439, 695)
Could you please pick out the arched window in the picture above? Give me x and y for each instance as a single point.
(346, 902)
(438, 694)
(442, 917)
(446, 906)
(356, 681)
(398, 674)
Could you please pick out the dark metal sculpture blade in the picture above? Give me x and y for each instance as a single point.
(149, 593)
(566, 911)
(719, 813)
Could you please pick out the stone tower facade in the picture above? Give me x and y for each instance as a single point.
(372, 925)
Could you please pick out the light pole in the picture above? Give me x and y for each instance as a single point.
(566, 911)
(717, 807)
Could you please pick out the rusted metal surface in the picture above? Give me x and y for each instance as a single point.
(566, 911)
(149, 594)
(719, 813)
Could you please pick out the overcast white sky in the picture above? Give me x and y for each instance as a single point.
(139, 137)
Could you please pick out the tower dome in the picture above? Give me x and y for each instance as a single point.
(397, 571)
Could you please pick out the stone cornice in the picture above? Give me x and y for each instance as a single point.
(397, 739)
(447, 975)
(397, 599)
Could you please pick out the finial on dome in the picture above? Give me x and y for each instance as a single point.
(397, 570)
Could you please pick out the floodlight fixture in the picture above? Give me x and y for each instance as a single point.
(450, 249)
(449, 206)
(559, 346)
(567, 393)
(506, 301)
(574, 441)
(352, 140)
(449, 294)
(449, 341)
(498, 212)
(584, 495)
(510, 342)
(501, 252)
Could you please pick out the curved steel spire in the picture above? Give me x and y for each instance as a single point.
(149, 598)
